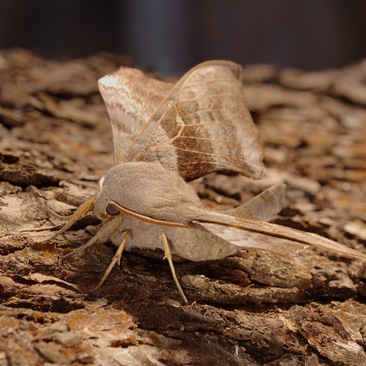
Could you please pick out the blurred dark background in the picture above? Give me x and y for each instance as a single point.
(173, 35)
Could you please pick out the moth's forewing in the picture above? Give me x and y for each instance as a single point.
(198, 126)
(257, 229)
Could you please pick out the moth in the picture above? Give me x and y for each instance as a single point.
(165, 135)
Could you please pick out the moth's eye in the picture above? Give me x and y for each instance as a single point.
(111, 209)
(101, 181)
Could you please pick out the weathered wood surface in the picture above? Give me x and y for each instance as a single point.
(256, 308)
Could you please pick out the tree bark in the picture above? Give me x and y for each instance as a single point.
(254, 308)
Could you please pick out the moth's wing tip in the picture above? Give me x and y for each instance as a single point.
(258, 171)
(108, 81)
(278, 190)
(252, 169)
(117, 78)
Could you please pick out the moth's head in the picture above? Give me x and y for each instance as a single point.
(120, 185)
(103, 207)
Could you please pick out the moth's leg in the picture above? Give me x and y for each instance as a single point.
(78, 214)
(168, 256)
(117, 258)
(102, 235)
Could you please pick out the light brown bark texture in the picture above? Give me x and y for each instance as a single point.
(254, 308)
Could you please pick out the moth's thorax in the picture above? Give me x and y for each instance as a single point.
(141, 187)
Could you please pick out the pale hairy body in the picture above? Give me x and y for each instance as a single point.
(186, 243)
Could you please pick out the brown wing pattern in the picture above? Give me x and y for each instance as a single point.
(198, 126)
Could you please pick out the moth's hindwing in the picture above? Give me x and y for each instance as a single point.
(197, 126)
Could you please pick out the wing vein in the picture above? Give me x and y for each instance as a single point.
(208, 139)
(213, 109)
(210, 154)
(210, 96)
